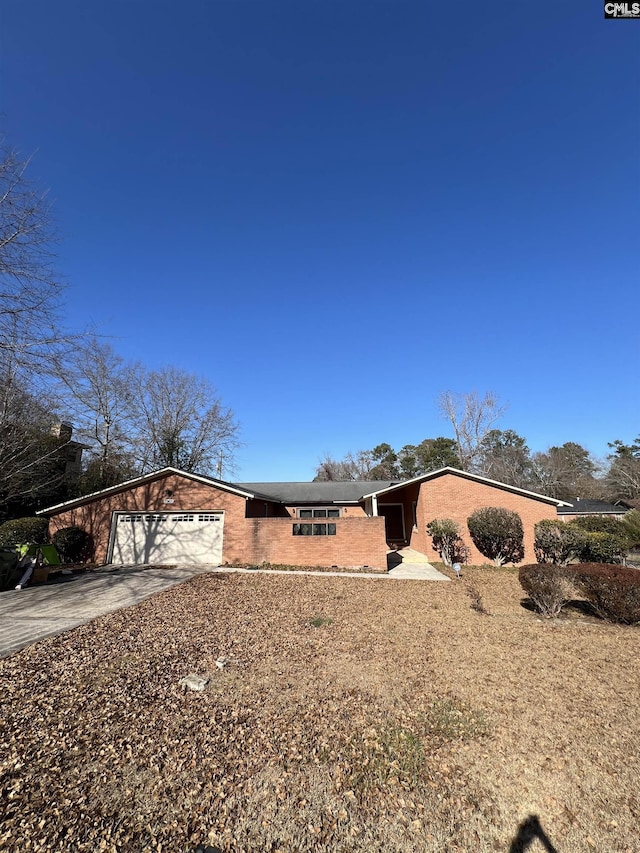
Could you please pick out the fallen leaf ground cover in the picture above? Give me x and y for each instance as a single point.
(352, 714)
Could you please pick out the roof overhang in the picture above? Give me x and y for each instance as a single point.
(467, 476)
(140, 481)
(574, 511)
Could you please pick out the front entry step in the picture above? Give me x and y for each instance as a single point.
(406, 556)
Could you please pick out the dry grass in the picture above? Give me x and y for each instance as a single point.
(354, 715)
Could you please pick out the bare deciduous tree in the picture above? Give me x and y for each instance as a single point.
(179, 421)
(32, 461)
(472, 418)
(98, 388)
(380, 463)
(30, 290)
(31, 335)
(356, 466)
(623, 476)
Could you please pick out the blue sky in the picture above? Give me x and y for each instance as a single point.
(337, 210)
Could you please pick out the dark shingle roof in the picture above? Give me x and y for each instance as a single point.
(335, 491)
(590, 507)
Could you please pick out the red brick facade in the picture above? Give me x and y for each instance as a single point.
(454, 496)
(96, 516)
(359, 540)
(258, 531)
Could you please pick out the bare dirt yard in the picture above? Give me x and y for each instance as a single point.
(350, 715)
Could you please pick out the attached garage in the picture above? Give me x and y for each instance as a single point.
(167, 537)
(167, 517)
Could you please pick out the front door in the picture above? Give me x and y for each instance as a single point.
(393, 520)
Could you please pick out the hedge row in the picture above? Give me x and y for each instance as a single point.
(590, 540)
(613, 591)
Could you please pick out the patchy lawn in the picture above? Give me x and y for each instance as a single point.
(352, 714)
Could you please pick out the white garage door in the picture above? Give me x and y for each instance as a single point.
(168, 537)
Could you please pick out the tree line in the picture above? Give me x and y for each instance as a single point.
(566, 472)
(128, 419)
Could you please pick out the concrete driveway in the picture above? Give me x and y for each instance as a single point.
(67, 601)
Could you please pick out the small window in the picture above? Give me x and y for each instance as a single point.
(318, 512)
(314, 529)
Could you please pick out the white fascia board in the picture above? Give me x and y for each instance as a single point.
(138, 481)
(468, 476)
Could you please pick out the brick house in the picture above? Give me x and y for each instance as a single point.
(170, 516)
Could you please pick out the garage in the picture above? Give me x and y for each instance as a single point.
(164, 538)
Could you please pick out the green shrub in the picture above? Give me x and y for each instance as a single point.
(21, 531)
(631, 523)
(599, 524)
(613, 591)
(445, 535)
(603, 547)
(547, 586)
(607, 539)
(498, 534)
(557, 542)
(73, 543)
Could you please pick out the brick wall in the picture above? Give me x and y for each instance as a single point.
(452, 496)
(358, 542)
(95, 517)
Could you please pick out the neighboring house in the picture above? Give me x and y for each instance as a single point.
(170, 516)
(580, 508)
(70, 450)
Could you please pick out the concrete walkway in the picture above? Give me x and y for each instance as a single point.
(67, 601)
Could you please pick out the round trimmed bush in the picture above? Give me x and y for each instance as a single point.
(547, 586)
(73, 544)
(445, 534)
(613, 590)
(23, 531)
(498, 534)
(557, 542)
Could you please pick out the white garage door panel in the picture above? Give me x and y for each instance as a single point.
(166, 537)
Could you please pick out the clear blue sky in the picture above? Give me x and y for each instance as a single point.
(336, 210)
